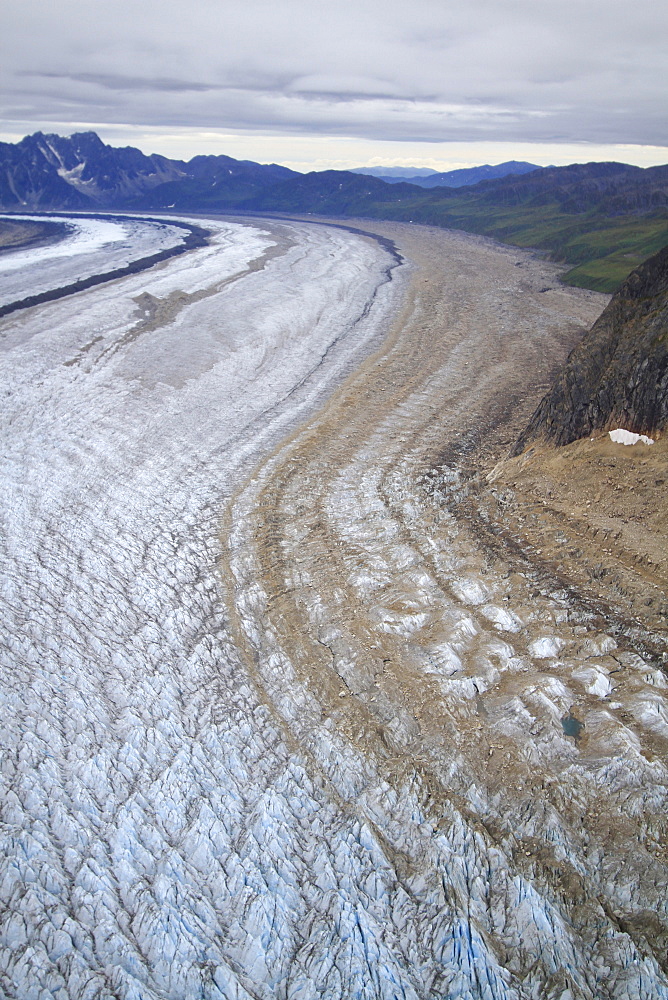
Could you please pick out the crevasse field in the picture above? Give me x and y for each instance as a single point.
(245, 663)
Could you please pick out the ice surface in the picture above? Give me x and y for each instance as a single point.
(184, 814)
(92, 246)
(545, 647)
(160, 838)
(85, 236)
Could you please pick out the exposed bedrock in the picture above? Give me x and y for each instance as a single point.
(618, 374)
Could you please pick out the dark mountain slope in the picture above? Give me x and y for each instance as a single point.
(107, 174)
(49, 171)
(81, 172)
(214, 182)
(214, 168)
(618, 374)
(582, 187)
(28, 180)
(602, 218)
(387, 173)
(335, 192)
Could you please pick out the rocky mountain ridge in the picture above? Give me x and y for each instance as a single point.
(80, 171)
(618, 374)
(46, 172)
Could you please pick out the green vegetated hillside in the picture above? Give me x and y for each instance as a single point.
(602, 249)
(602, 218)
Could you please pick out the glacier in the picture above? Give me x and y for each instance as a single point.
(223, 589)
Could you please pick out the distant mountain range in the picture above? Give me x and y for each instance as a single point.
(387, 173)
(450, 178)
(46, 172)
(603, 218)
(50, 171)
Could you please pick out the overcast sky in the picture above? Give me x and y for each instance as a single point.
(314, 83)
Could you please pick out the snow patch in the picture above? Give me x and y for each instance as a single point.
(621, 436)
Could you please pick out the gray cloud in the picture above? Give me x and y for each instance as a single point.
(513, 70)
(131, 83)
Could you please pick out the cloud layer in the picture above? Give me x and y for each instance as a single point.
(511, 70)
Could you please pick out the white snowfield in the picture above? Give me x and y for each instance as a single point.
(621, 436)
(184, 814)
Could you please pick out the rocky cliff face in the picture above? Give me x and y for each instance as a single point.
(79, 172)
(618, 374)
